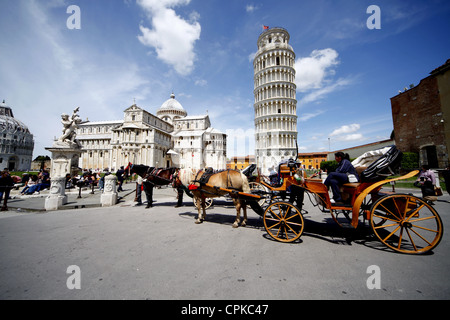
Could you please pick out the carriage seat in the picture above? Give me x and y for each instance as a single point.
(351, 185)
(354, 185)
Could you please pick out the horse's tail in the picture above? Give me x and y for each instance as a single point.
(245, 184)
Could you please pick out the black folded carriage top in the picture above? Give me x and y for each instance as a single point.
(383, 167)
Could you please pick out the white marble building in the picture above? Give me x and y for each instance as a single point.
(198, 145)
(16, 142)
(170, 139)
(275, 99)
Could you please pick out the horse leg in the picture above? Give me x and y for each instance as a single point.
(237, 204)
(244, 209)
(201, 210)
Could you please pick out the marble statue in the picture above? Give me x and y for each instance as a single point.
(70, 124)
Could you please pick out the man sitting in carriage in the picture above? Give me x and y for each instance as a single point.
(340, 176)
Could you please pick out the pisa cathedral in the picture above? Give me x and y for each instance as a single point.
(170, 138)
(275, 100)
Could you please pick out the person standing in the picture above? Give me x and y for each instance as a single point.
(6, 184)
(139, 188)
(119, 175)
(427, 181)
(148, 189)
(446, 175)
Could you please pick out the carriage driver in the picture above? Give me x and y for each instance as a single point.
(340, 176)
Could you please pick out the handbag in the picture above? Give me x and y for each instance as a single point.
(438, 191)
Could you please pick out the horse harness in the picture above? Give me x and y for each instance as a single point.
(204, 179)
(154, 172)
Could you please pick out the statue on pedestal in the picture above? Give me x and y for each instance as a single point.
(70, 125)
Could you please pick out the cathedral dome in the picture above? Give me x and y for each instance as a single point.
(171, 110)
(8, 124)
(16, 149)
(172, 104)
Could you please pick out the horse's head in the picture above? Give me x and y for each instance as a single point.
(176, 180)
(186, 176)
(128, 170)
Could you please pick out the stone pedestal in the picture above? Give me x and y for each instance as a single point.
(57, 197)
(109, 195)
(65, 158)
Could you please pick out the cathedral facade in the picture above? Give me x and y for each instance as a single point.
(170, 138)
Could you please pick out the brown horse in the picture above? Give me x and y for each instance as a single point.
(155, 176)
(152, 177)
(231, 180)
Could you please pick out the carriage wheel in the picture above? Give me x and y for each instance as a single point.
(283, 221)
(256, 186)
(208, 203)
(406, 224)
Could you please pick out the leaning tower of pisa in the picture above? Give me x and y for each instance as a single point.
(275, 100)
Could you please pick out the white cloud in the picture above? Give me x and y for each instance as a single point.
(312, 71)
(346, 129)
(308, 116)
(322, 92)
(353, 137)
(314, 75)
(172, 37)
(251, 8)
(251, 56)
(347, 133)
(201, 83)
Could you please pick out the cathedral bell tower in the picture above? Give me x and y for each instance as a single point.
(275, 100)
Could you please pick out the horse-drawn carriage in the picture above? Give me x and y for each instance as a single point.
(402, 222)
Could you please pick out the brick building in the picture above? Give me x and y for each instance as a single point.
(421, 117)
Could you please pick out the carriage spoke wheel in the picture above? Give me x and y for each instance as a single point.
(283, 221)
(406, 224)
(259, 189)
(208, 203)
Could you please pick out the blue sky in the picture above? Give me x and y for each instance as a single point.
(202, 51)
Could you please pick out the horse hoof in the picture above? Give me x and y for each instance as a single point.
(235, 225)
(198, 222)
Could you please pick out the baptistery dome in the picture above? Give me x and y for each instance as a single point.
(171, 110)
(16, 142)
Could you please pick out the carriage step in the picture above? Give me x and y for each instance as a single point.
(343, 206)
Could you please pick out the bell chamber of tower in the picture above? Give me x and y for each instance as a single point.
(275, 100)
